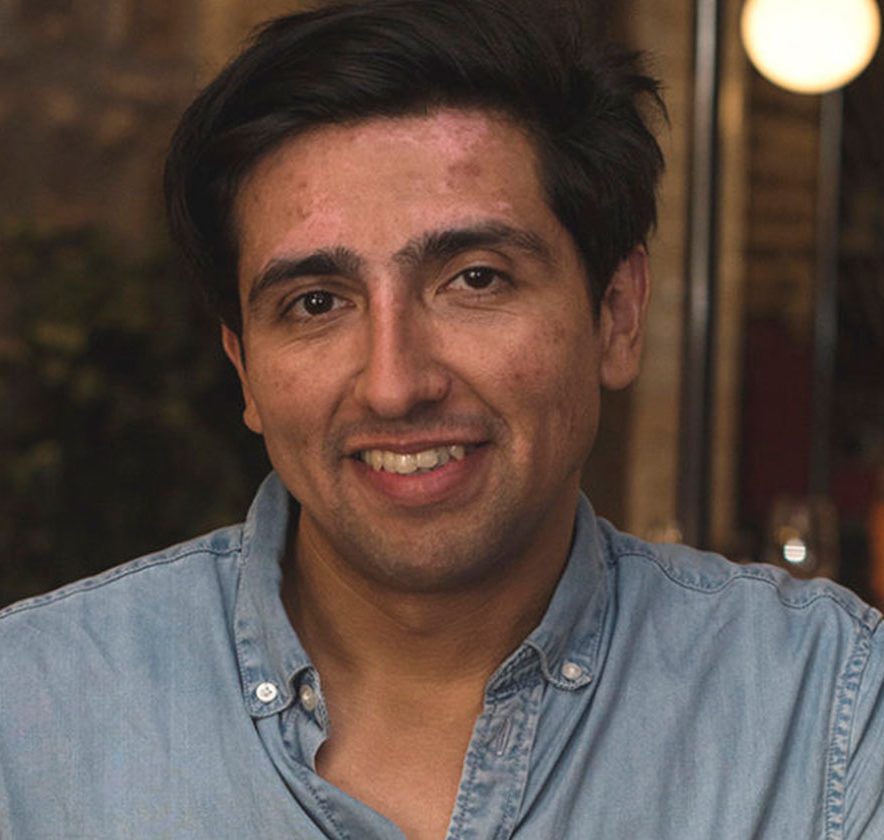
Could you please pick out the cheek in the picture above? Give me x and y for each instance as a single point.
(287, 403)
(549, 377)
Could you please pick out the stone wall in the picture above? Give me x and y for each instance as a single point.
(90, 91)
(88, 96)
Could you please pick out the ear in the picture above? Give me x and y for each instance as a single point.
(232, 345)
(622, 320)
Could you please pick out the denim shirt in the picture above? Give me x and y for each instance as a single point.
(665, 694)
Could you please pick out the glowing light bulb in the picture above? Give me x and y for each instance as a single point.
(795, 551)
(811, 46)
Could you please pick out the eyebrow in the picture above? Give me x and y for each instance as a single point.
(326, 262)
(431, 247)
(441, 245)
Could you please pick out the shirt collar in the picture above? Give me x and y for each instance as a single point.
(570, 633)
(267, 647)
(269, 651)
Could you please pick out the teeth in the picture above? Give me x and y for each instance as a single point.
(428, 459)
(402, 464)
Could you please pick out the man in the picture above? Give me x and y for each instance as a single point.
(423, 227)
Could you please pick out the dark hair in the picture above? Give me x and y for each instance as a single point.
(582, 102)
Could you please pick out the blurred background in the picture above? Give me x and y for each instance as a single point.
(756, 429)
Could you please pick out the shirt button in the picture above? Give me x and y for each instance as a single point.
(308, 697)
(266, 692)
(571, 671)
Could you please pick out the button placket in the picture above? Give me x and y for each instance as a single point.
(496, 764)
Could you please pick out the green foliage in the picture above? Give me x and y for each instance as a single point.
(120, 427)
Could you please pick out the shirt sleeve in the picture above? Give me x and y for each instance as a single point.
(864, 782)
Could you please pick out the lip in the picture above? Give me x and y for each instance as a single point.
(448, 483)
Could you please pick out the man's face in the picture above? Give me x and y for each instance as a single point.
(420, 351)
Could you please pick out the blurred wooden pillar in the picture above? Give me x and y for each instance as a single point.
(695, 453)
(825, 333)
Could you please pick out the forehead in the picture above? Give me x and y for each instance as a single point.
(387, 176)
(463, 142)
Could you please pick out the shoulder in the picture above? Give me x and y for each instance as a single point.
(708, 581)
(804, 648)
(107, 669)
(165, 579)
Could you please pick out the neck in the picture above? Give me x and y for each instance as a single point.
(351, 625)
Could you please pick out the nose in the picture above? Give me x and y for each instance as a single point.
(400, 372)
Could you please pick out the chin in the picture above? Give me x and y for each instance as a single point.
(427, 564)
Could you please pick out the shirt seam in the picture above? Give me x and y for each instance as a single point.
(526, 737)
(321, 801)
(464, 799)
(841, 731)
(96, 582)
(869, 620)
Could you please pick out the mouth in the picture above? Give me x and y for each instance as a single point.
(410, 463)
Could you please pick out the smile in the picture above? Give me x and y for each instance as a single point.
(413, 462)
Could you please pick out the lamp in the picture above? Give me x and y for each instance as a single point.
(811, 46)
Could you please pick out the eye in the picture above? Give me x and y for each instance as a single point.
(314, 303)
(478, 278)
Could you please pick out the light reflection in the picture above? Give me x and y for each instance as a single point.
(802, 536)
(795, 551)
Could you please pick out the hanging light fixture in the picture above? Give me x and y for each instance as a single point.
(811, 46)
